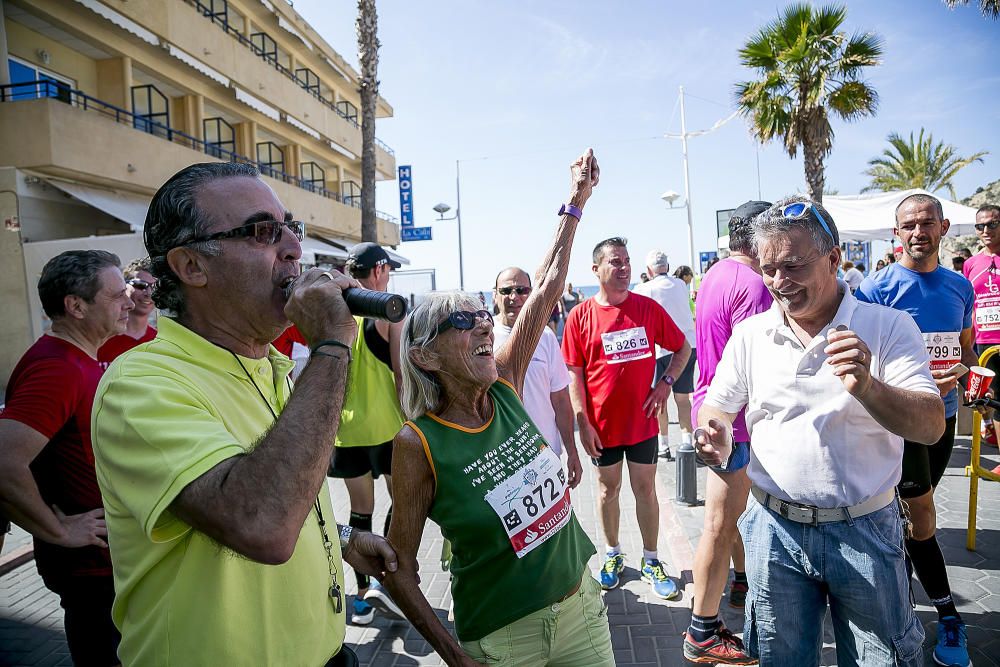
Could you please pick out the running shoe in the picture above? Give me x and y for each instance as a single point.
(722, 648)
(951, 649)
(665, 453)
(738, 595)
(663, 586)
(613, 567)
(379, 598)
(363, 613)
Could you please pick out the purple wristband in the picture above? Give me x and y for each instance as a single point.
(569, 209)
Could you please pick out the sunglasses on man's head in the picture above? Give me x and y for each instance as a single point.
(980, 226)
(463, 320)
(520, 289)
(798, 210)
(140, 284)
(264, 232)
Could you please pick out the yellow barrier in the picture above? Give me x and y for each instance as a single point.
(975, 471)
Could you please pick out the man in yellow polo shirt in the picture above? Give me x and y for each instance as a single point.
(223, 541)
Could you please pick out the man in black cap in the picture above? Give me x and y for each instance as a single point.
(733, 291)
(370, 419)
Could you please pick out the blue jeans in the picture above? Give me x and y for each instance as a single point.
(857, 566)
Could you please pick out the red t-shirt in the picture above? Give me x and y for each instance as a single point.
(615, 347)
(289, 336)
(117, 345)
(52, 391)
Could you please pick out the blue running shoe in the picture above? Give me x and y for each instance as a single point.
(951, 649)
(362, 613)
(663, 586)
(612, 568)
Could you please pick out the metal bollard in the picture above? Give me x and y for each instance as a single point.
(687, 476)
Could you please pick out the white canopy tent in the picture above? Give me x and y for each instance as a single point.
(871, 217)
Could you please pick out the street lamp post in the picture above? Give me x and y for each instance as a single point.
(441, 209)
(670, 197)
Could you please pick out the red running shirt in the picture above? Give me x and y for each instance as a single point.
(117, 345)
(52, 391)
(615, 347)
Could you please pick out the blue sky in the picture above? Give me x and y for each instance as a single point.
(517, 90)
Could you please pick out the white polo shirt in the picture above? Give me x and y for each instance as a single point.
(811, 441)
(671, 293)
(547, 373)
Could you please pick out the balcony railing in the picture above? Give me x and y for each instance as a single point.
(30, 90)
(221, 21)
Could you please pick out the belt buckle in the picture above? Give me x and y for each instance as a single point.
(815, 516)
(782, 507)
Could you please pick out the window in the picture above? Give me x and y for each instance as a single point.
(312, 176)
(308, 79)
(267, 48)
(150, 110)
(219, 137)
(271, 159)
(45, 83)
(348, 110)
(351, 193)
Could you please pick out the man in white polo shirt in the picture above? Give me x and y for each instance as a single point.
(546, 384)
(831, 388)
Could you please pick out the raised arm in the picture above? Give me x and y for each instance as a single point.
(550, 279)
(414, 480)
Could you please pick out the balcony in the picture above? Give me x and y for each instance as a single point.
(50, 128)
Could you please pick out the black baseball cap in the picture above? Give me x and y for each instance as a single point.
(368, 255)
(749, 210)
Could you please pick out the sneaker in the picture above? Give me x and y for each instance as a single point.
(951, 649)
(722, 648)
(738, 595)
(363, 613)
(379, 598)
(663, 586)
(665, 453)
(613, 566)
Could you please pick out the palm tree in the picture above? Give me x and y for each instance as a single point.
(989, 8)
(368, 45)
(919, 163)
(807, 69)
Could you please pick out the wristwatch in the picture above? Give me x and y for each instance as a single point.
(345, 536)
(669, 379)
(571, 210)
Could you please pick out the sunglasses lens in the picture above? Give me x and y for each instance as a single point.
(794, 210)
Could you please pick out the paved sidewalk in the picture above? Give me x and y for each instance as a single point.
(646, 631)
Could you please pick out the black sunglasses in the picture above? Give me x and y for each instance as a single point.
(140, 284)
(507, 291)
(980, 226)
(463, 320)
(265, 232)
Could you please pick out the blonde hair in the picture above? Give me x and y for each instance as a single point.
(421, 389)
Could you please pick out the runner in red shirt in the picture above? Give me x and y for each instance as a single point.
(47, 480)
(139, 284)
(983, 269)
(608, 345)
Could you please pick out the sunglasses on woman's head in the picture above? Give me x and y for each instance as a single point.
(507, 291)
(463, 320)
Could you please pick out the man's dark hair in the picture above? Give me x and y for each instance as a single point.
(72, 273)
(135, 266)
(860, 267)
(921, 198)
(357, 272)
(613, 242)
(741, 235)
(174, 219)
(988, 208)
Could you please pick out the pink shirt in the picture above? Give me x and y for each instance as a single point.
(729, 293)
(983, 270)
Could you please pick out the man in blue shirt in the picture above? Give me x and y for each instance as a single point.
(940, 301)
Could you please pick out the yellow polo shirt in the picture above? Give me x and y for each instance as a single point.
(165, 413)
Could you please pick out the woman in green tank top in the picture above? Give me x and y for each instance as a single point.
(472, 461)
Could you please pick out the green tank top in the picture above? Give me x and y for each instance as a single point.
(371, 414)
(501, 499)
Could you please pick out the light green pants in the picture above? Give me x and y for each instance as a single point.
(571, 633)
